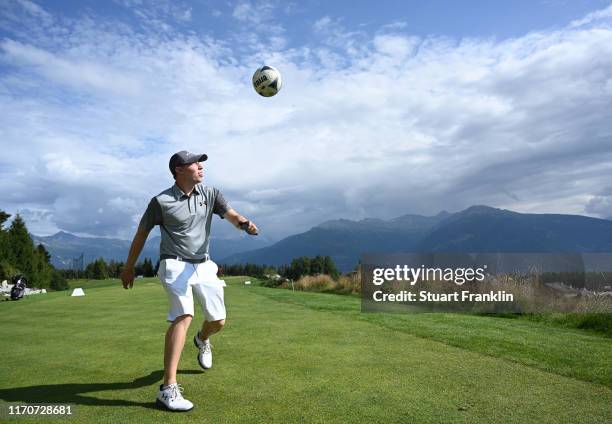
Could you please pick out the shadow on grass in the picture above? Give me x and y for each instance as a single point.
(72, 393)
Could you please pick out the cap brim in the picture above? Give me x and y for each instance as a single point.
(198, 158)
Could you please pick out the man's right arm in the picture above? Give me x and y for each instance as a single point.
(127, 275)
(151, 218)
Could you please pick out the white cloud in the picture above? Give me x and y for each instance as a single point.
(73, 73)
(160, 14)
(35, 10)
(395, 45)
(245, 11)
(601, 204)
(323, 24)
(593, 17)
(332, 33)
(395, 25)
(365, 126)
(259, 31)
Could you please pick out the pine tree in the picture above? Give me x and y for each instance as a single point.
(100, 271)
(21, 252)
(317, 265)
(44, 270)
(147, 268)
(18, 255)
(44, 253)
(330, 269)
(58, 282)
(7, 269)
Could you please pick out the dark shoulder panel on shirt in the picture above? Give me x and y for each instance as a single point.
(165, 196)
(214, 195)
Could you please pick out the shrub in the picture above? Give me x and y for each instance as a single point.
(317, 283)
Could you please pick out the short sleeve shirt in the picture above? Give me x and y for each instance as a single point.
(184, 220)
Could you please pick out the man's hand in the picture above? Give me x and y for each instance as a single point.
(127, 277)
(241, 222)
(249, 227)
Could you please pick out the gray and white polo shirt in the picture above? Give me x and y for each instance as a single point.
(184, 220)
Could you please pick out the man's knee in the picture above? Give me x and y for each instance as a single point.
(218, 325)
(183, 320)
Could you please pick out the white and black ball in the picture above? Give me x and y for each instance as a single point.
(267, 81)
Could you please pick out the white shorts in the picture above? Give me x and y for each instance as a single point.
(183, 280)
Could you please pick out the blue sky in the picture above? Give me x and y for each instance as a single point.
(467, 18)
(401, 107)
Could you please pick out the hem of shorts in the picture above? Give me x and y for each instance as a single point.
(172, 320)
(216, 319)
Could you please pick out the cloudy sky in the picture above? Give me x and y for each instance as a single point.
(388, 108)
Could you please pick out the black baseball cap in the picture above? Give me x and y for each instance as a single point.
(185, 158)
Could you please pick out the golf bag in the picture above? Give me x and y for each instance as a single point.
(19, 286)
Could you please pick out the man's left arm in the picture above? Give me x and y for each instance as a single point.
(239, 221)
(224, 210)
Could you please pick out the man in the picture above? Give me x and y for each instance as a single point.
(184, 214)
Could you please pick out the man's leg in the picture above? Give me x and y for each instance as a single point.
(211, 327)
(175, 340)
(213, 309)
(203, 343)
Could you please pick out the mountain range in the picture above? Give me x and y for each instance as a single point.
(65, 247)
(475, 229)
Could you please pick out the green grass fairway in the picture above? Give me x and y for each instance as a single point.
(298, 357)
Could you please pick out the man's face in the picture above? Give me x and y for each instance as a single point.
(193, 172)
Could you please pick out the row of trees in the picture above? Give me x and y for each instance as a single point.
(100, 269)
(19, 255)
(254, 270)
(304, 265)
(298, 268)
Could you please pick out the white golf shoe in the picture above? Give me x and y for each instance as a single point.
(205, 354)
(170, 397)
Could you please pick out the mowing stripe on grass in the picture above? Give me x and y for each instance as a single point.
(572, 353)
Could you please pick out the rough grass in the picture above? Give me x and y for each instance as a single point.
(325, 284)
(291, 356)
(591, 321)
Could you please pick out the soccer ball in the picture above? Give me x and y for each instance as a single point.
(267, 81)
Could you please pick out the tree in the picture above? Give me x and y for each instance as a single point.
(329, 268)
(97, 270)
(114, 268)
(58, 282)
(306, 266)
(317, 265)
(44, 269)
(7, 270)
(21, 250)
(19, 255)
(3, 217)
(298, 268)
(4, 246)
(147, 268)
(43, 253)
